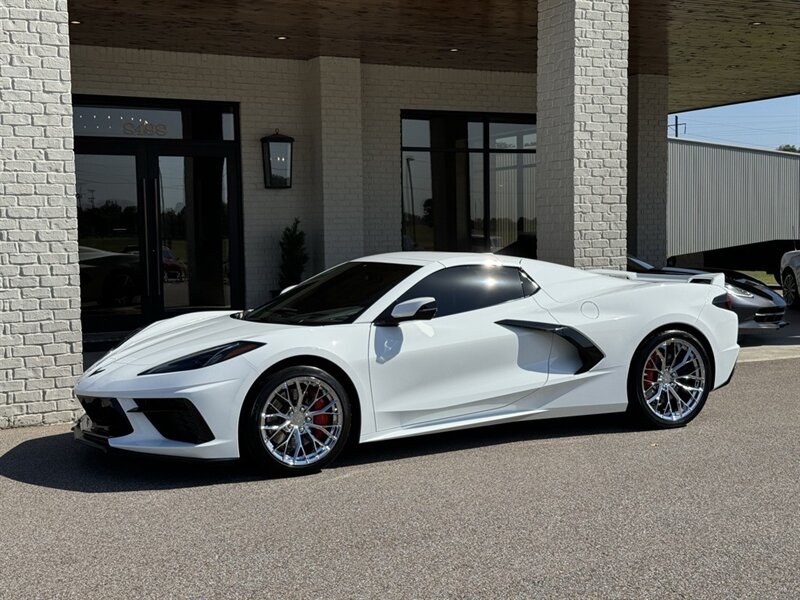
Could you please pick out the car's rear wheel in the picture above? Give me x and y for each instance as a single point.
(789, 284)
(670, 378)
(299, 422)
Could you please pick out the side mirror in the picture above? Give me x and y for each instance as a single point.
(416, 309)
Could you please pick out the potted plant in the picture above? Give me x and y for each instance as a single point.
(293, 255)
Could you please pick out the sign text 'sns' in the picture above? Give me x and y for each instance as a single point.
(158, 129)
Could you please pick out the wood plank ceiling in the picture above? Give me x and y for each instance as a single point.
(715, 51)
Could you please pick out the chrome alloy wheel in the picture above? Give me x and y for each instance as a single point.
(301, 421)
(673, 379)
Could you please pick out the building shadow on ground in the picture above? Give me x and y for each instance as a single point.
(57, 461)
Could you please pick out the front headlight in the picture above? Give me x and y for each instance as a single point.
(737, 291)
(204, 358)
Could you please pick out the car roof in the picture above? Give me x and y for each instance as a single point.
(447, 259)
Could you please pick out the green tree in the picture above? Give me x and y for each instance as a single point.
(788, 148)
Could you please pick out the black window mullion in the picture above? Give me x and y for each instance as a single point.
(487, 232)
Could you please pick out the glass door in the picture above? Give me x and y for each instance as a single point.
(110, 240)
(154, 234)
(193, 231)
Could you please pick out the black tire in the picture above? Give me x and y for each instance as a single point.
(789, 285)
(267, 406)
(675, 383)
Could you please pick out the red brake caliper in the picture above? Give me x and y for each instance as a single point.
(322, 420)
(650, 371)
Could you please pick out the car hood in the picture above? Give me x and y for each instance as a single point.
(180, 336)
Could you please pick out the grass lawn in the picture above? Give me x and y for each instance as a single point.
(762, 276)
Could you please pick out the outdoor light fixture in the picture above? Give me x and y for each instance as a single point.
(757, 23)
(277, 152)
(75, 22)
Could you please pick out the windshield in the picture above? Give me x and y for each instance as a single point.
(338, 295)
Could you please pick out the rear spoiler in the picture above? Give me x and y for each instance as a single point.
(709, 278)
(706, 278)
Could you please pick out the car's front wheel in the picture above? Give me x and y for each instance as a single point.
(789, 284)
(670, 378)
(299, 422)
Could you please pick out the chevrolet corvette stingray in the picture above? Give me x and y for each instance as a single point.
(406, 344)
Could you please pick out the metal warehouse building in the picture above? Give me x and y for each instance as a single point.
(135, 184)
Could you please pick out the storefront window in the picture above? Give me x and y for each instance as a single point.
(133, 122)
(468, 182)
(192, 122)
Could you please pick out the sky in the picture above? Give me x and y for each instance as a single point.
(760, 124)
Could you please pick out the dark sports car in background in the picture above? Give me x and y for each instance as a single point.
(758, 307)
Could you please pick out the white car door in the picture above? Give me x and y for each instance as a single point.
(462, 361)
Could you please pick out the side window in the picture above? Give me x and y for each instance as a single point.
(461, 289)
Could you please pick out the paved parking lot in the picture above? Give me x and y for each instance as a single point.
(570, 508)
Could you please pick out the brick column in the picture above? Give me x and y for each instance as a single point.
(647, 167)
(582, 97)
(40, 332)
(335, 89)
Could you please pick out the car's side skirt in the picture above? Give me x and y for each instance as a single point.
(494, 419)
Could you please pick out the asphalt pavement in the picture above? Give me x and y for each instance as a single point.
(587, 507)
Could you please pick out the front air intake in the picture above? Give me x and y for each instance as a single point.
(107, 416)
(176, 419)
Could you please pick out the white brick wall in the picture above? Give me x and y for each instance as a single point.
(582, 79)
(40, 335)
(648, 152)
(386, 91)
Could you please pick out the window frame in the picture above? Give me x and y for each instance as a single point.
(486, 119)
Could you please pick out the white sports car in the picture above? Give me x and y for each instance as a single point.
(406, 344)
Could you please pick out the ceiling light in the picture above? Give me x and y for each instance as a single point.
(453, 49)
(756, 22)
(281, 37)
(75, 22)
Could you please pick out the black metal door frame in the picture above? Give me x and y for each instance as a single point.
(147, 152)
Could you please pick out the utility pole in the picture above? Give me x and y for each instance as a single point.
(677, 126)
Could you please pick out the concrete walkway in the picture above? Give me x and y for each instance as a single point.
(773, 345)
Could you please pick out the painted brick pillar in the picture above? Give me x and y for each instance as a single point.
(40, 331)
(647, 167)
(335, 96)
(582, 102)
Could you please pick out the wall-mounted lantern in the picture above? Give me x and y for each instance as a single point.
(277, 152)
